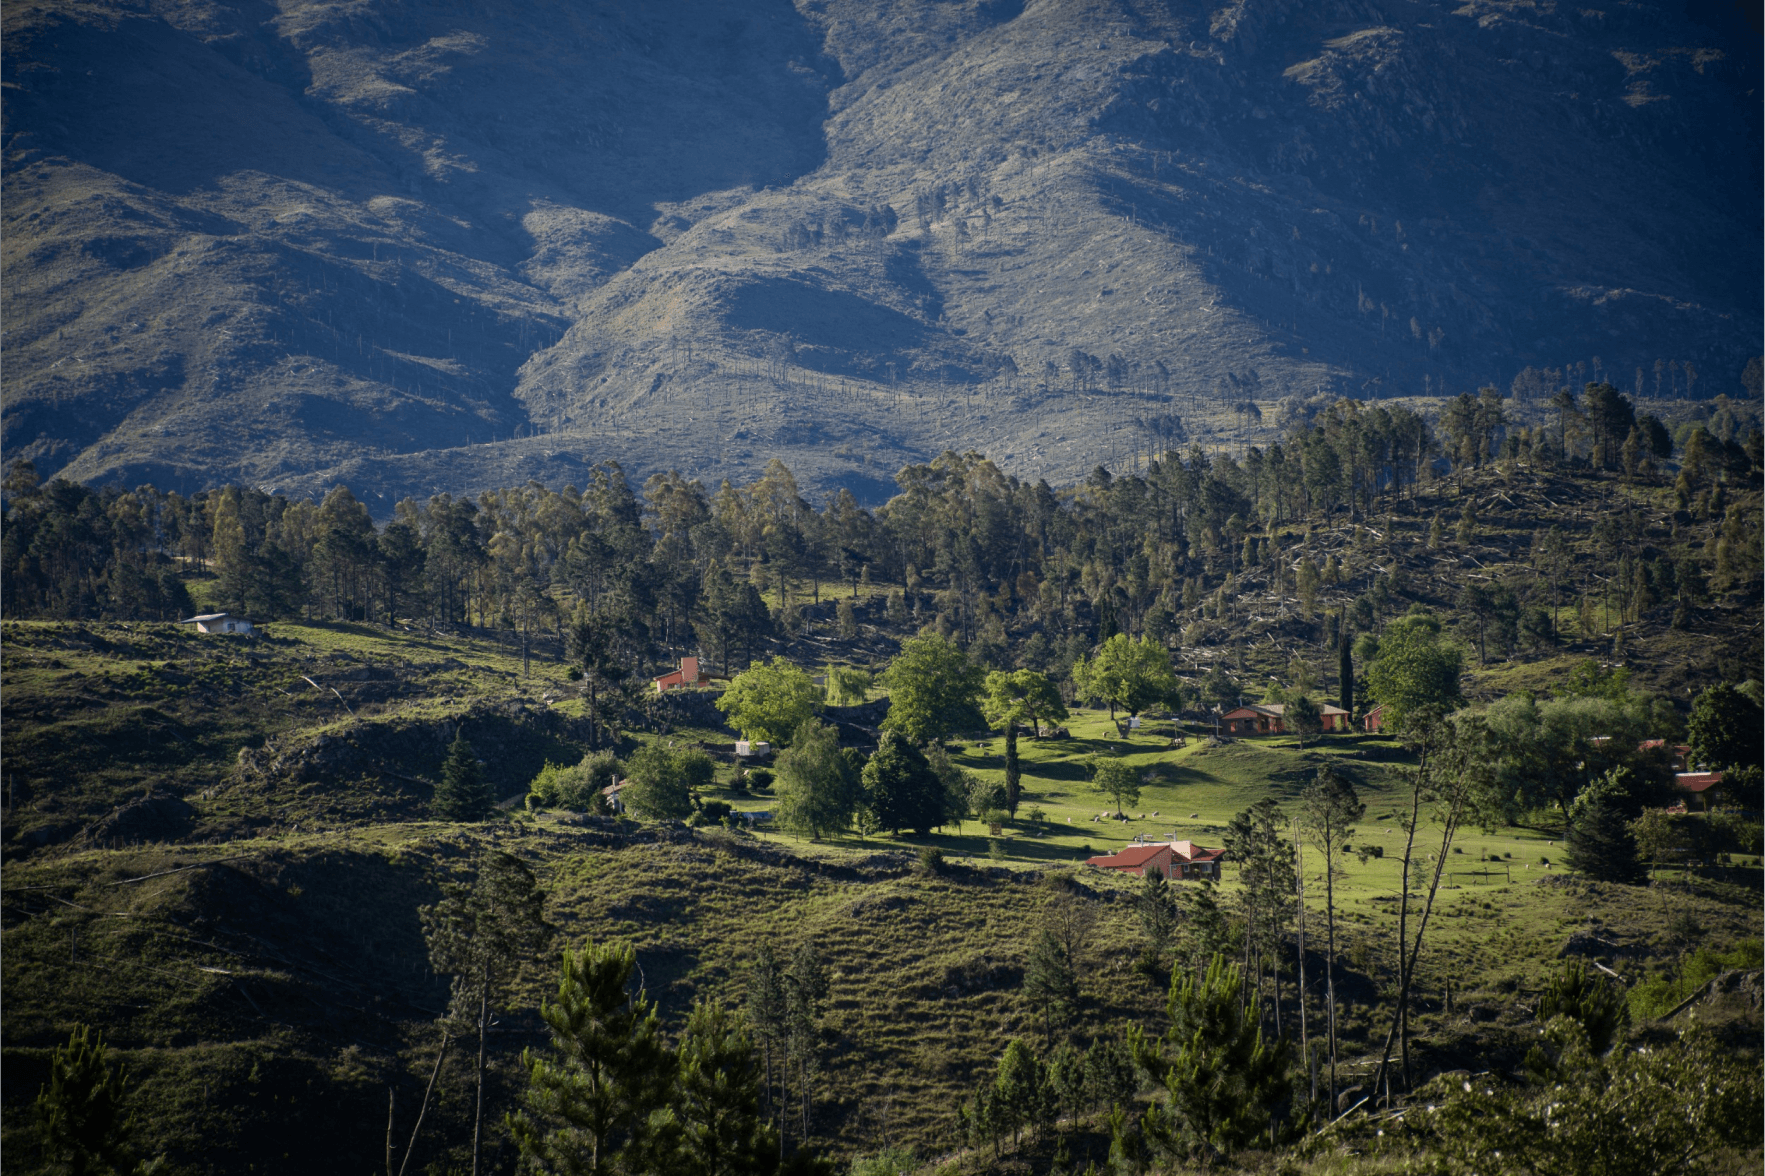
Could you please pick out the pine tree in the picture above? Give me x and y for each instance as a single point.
(1601, 845)
(590, 1097)
(463, 794)
(481, 935)
(1345, 675)
(1223, 1079)
(717, 1100)
(805, 993)
(767, 1014)
(83, 1111)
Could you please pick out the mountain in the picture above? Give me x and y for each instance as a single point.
(449, 246)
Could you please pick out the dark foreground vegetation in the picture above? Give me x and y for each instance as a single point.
(348, 894)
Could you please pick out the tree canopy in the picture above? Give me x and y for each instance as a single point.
(933, 688)
(770, 701)
(1126, 673)
(1416, 671)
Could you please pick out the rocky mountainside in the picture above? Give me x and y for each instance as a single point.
(448, 246)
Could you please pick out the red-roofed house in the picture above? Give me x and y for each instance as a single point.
(687, 675)
(1699, 784)
(1136, 860)
(1175, 859)
(1269, 718)
(1195, 861)
(1374, 719)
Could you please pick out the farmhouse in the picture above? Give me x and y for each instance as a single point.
(687, 675)
(1373, 720)
(1698, 784)
(219, 623)
(1173, 859)
(1269, 718)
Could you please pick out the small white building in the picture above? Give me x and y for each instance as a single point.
(757, 749)
(219, 623)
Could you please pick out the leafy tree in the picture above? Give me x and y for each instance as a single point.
(716, 1100)
(817, 790)
(932, 690)
(1600, 844)
(901, 788)
(1416, 673)
(657, 785)
(1011, 698)
(1345, 674)
(1115, 779)
(1329, 807)
(463, 794)
(83, 1111)
(1305, 716)
(1724, 729)
(1019, 1089)
(482, 935)
(1255, 841)
(1133, 675)
(1222, 1080)
(770, 701)
(591, 1097)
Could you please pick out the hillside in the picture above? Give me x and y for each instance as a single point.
(417, 249)
(215, 849)
(265, 980)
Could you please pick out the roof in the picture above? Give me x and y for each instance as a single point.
(1196, 853)
(1274, 709)
(205, 617)
(1136, 855)
(1697, 781)
(1278, 709)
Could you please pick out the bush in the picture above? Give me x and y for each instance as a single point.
(891, 1161)
(760, 779)
(573, 788)
(931, 861)
(713, 812)
(1656, 996)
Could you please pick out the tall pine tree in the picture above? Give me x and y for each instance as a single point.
(590, 1097)
(464, 793)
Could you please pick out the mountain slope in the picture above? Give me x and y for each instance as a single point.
(299, 243)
